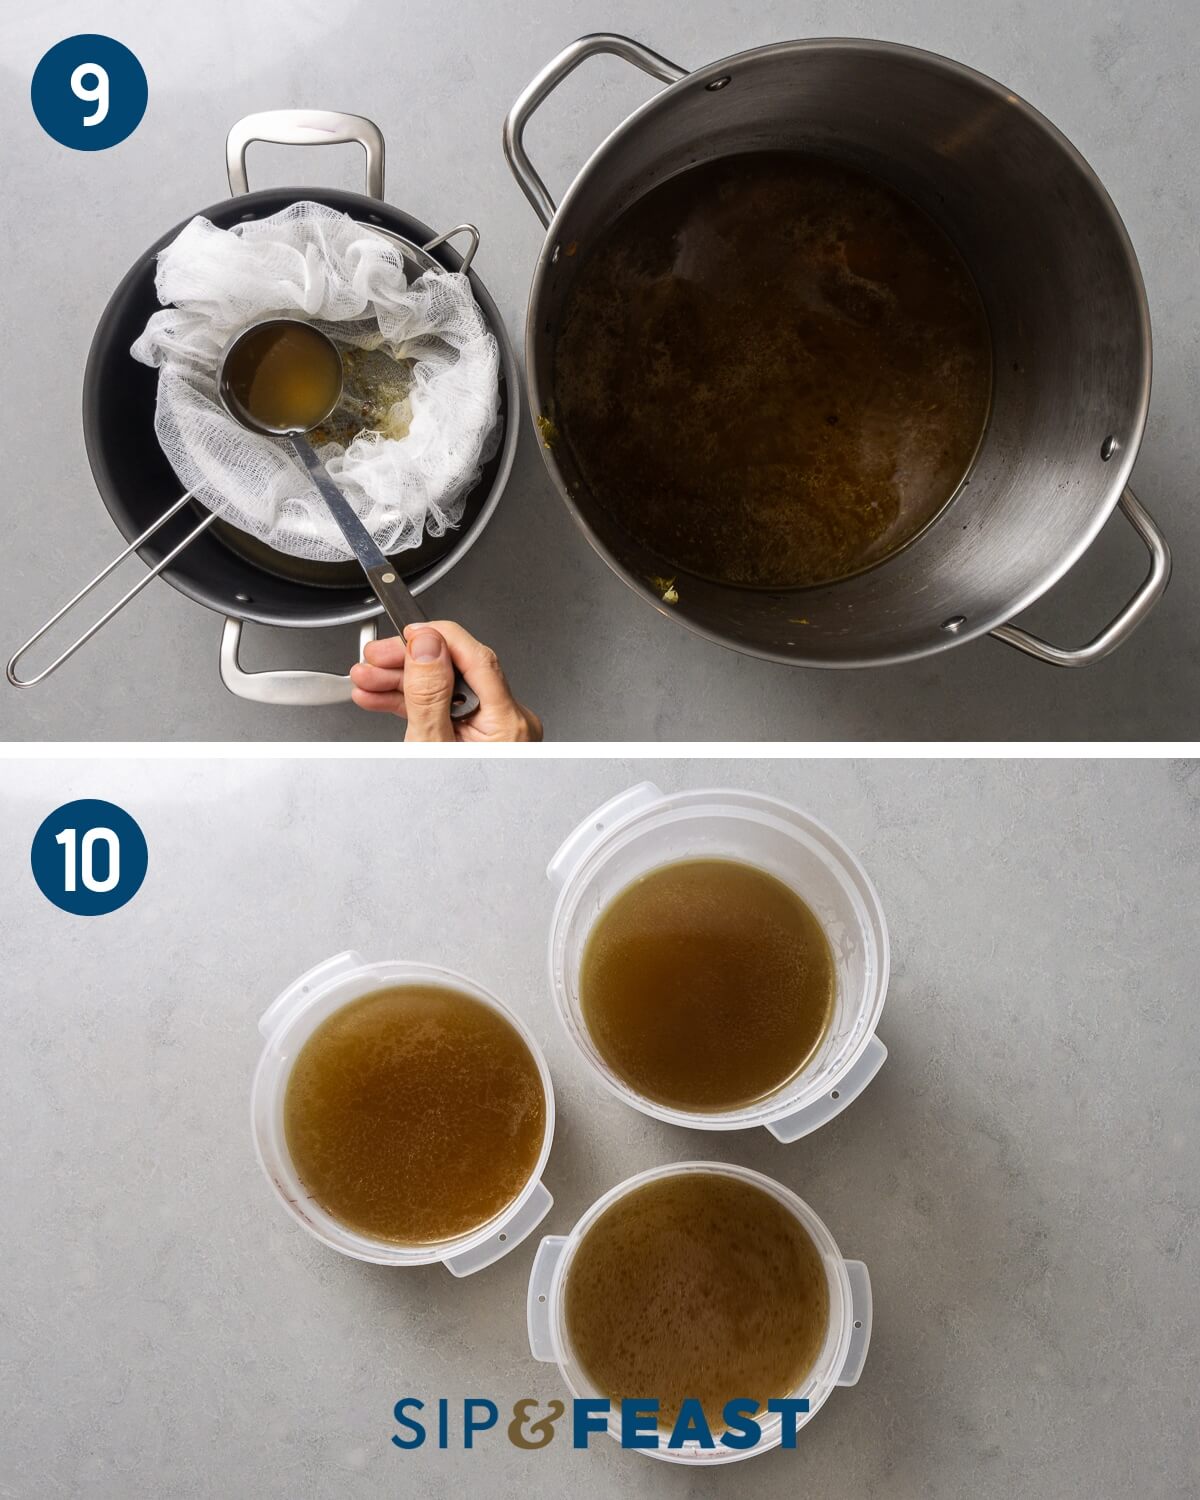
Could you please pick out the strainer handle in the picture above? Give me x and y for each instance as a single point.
(472, 235)
(304, 127)
(1117, 631)
(544, 85)
(12, 671)
(284, 689)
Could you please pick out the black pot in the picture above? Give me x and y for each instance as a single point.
(223, 569)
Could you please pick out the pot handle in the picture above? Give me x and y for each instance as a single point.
(544, 85)
(284, 689)
(1118, 630)
(304, 127)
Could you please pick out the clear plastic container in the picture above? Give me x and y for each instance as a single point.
(287, 1024)
(641, 829)
(840, 1361)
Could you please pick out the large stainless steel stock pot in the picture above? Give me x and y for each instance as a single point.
(1059, 280)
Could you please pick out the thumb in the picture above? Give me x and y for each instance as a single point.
(428, 686)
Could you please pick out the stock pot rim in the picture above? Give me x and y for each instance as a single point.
(1123, 460)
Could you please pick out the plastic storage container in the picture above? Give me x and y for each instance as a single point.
(287, 1024)
(840, 1361)
(642, 829)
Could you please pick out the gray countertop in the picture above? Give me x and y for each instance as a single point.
(1021, 1178)
(593, 659)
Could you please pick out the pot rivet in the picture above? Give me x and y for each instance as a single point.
(1108, 447)
(718, 83)
(388, 577)
(954, 624)
(555, 255)
(242, 598)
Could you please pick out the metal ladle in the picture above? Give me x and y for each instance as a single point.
(398, 603)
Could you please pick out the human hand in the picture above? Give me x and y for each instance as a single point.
(413, 677)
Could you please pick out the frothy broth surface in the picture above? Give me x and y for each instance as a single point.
(707, 984)
(773, 370)
(414, 1114)
(697, 1285)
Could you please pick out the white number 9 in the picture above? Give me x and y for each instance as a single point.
(98, 90)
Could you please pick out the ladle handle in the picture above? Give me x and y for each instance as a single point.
(386, 584)
(544, 85)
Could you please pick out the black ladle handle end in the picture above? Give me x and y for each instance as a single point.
(403, 610)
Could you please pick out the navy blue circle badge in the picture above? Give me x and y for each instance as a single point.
(89, 857)
(89, 92)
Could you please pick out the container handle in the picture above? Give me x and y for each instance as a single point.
(304, 127)
(861, 1305)
(804, 1121)
(537, 1301)
(509, 1235)
(11, 671)
(1118, 630)
(577, 844)
(284, 688)
(544, 85)
(284, 1006)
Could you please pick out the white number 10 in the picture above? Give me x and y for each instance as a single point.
(98, 91)
(87, 859)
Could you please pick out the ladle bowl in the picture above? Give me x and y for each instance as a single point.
(237, 387)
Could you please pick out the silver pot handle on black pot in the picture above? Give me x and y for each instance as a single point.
(304, 127)
(544, 85)
(1118, 630)
(290, 688)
